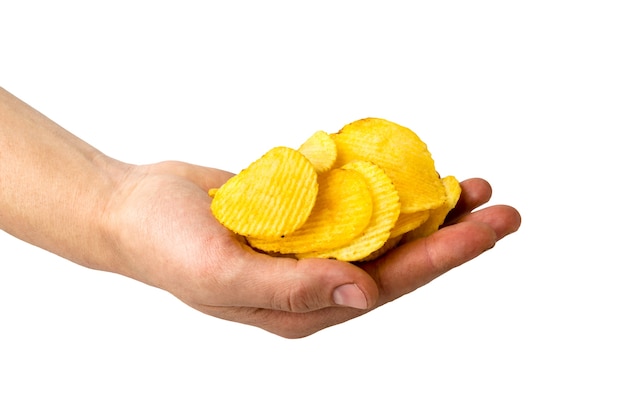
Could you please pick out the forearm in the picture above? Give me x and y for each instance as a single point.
(53, 186)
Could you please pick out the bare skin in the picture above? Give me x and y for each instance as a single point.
(153, 223)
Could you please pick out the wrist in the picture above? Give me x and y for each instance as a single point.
(102, 227)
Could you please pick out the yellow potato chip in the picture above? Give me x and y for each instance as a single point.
(391, 243)
(409, 221)
(438, 215)
(271, 198)
(342, 211)
(352, 195)
(385, 212)
(321, 150)
(400, 153)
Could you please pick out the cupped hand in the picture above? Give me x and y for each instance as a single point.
(164, 234)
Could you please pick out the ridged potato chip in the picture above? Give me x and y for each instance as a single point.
(321, 150)
(385, 212)
(342, 211)
(400, 153)
(409, 221)
(271, 198)
(351, 195)
(438, 215)
(391, 243)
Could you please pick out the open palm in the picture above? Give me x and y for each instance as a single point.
(161, 221)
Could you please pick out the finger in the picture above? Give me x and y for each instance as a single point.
(401, 271)
(260, 281)
(416, 263)
(503, 219)
(474, 193)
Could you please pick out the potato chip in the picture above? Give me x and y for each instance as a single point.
(271, 198)
(400, 153)
(342, 211)
(321, 150)
(385, 212)
(351, 195)
(409, 221)
(438, 215)
(391, 243)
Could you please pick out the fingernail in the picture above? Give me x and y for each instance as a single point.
(350, 295)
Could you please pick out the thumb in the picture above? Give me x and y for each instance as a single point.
(297, 286)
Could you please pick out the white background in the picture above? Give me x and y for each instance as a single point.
(529, 95)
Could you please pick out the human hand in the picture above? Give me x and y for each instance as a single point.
(154, 223)
(161, 225)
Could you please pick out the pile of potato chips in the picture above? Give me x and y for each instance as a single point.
(350, 195)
